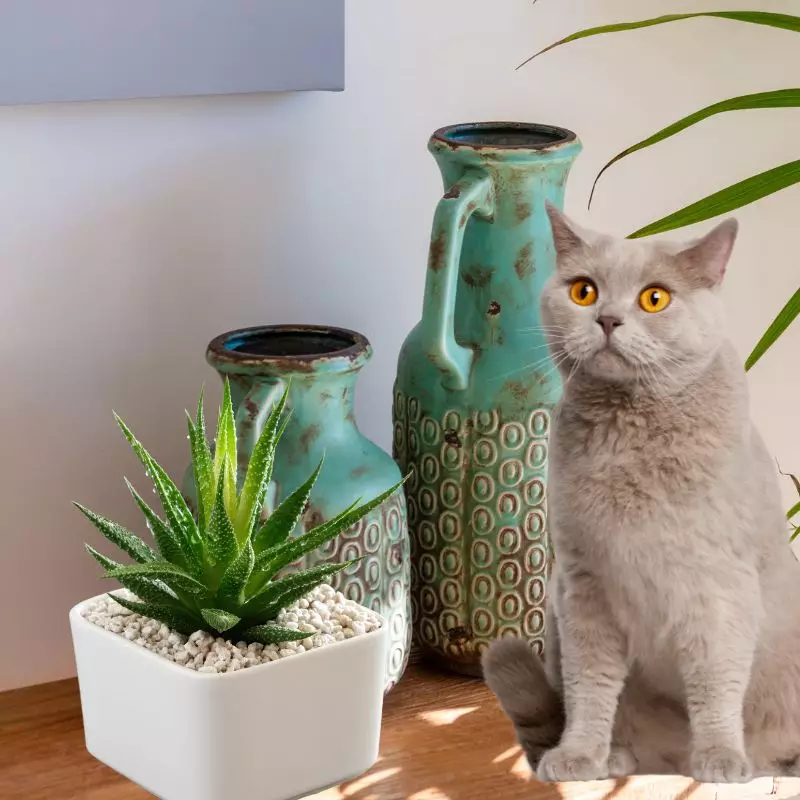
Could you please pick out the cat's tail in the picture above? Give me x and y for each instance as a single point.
(517, 677)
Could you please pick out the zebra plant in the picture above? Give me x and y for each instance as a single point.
(219, 570)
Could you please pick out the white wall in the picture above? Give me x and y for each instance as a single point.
(131, 233)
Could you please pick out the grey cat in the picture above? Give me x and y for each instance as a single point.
(673, 615)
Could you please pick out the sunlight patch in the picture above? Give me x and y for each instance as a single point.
(506, 754)
(361, 784)
(446, 716)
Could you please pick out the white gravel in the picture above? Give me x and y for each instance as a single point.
(327, 615)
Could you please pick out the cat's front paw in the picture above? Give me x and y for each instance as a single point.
(720, 764)
(570, 764)
(621, 762)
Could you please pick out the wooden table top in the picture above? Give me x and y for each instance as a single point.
(444, 738)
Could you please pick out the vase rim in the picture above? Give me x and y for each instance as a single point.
(289, 348)
(502, 136)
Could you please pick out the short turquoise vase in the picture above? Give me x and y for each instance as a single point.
(475, 393)
(320, 365)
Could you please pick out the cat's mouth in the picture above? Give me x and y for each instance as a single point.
(609, 359)
(610, 347)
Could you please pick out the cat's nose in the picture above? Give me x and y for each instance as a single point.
(608, 324)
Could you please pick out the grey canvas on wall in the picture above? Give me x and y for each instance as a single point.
(62, 50)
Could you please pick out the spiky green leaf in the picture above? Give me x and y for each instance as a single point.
(104, 561)
(152, 591)
(785, 317)
(273, 634)
(225, 447)
(233, 583)
(178, 515)
(276, 595)
(167, 542)
(203, 472)
(784, 21)
(728, 199)
(179, 619)
(219, 620)
(259, 471)
(171, 574)
(290, 551)
(262, 569)
(793, 511)
(781, 98)
(126, 541)
(283, 520)
(202, 463)
(221, 544)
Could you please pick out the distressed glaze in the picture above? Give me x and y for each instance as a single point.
(321, 366)
(475, 393)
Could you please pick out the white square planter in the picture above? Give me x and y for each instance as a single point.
(272, 732)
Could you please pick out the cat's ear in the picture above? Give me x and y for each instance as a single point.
(567, 236)
(705, 260)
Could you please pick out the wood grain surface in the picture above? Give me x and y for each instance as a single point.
(444, 738)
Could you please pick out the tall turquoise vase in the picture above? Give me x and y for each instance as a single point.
(321, 366)
(474, 393)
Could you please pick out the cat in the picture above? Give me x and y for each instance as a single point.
(672, 638)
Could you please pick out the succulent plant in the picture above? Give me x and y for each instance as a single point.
(219, 569)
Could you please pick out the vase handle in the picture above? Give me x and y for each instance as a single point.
(250, 417)
(473, 194)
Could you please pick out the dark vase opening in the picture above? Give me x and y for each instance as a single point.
(289, 343)
(505, 134)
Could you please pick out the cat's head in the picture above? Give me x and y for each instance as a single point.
(625, 310)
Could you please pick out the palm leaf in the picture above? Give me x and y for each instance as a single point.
(273, 634)
(283, 520)
(126, 541)
(259, 472)
(781, 98)
(784, 21)
(725, 200)
(785, 317)
(793, 478)
(793, 511)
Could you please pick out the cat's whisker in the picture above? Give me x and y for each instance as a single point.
(556, 365)
(665, 396)
(539, 329)
(532, 367)
(540, 346)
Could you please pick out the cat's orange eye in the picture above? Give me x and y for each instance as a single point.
(654, 299)
(583, 292)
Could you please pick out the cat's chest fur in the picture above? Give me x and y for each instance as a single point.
(635, 459)
(640, 490)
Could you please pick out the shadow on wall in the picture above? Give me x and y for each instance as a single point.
(148, 267)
